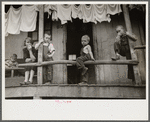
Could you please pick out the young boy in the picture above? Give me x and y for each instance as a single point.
(86, 54)
(48, 52)
(121, 47)
(12, 62)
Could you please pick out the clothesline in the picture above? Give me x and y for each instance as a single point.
(89, 13)
(24, 18)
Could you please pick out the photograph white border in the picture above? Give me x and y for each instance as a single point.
(77, 109)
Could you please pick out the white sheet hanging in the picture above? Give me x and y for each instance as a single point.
(21, 19)
(28, 19)
(13, 18)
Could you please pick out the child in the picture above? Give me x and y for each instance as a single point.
(48, 52)
(12, 62)
(29, 54)
(121, 47)
(86, 54)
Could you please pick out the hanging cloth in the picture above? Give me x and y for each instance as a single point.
(113, 9)
(76, 11)
(88, 13)
(64, 13)
(13, 18)
(21, 19)
(6, 24)
(28, 18)
(100, 13)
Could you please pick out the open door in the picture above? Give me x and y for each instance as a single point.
(75, 30)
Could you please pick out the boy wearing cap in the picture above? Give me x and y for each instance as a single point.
(86, 54)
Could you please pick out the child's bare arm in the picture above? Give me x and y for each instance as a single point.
(132, 36)
(6, 63)
(90, 52)
(50, 55)
(38, 44)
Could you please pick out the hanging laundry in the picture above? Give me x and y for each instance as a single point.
(21, 19)
(64, 13)
(25, 17)
(6, 24)
(13, 20)
(76, 11)
(88, 13)
(28, 18)
(51, 9)
(100, 13)
(113, 9)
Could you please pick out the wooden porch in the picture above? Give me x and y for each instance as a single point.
(76, 91)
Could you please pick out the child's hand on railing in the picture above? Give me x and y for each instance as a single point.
(93, 59)
(41, 40)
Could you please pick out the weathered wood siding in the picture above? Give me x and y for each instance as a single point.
(59, 42)
(13, 44)
(103, 38)
(141, 53)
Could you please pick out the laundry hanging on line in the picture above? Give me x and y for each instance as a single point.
(89, 13)
(22, 19)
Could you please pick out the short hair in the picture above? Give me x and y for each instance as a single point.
(120, 27)
(85, 37)
(14, 56)
(47, 34)
(26, 39)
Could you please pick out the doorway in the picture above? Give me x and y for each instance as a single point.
(75, 30)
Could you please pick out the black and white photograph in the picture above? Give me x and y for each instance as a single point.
(69, 53)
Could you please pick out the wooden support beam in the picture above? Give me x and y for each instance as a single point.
(97, 62)
(12, 73)
(40, 51)
(131, 45)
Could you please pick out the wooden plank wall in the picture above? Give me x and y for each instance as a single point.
(138, 31)
(103, 38)
(59, 42)
(14, 43)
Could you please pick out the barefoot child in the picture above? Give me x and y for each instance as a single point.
(29, 55)
(48, 52)
(86, 54)
(121, 47)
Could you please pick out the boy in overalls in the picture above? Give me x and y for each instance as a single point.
(86, 54)
(48, 52)
(121, 47)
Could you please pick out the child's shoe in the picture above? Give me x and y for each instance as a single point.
(84, 70)
(28, 83)
(23, 83)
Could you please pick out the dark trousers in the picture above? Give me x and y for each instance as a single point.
(124, 50)
(80, 61)
(48, 71)
(80, 65)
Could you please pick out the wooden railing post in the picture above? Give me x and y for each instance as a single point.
(40, 51)
(131, 45)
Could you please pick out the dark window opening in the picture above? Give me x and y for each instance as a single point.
(75, 30)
